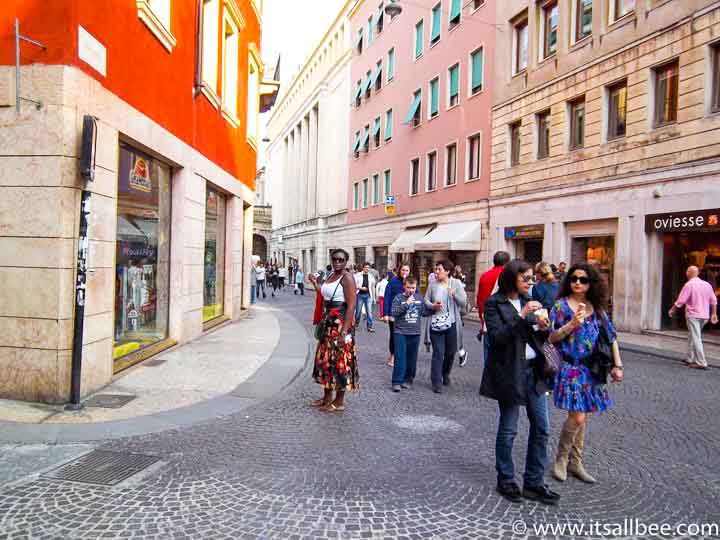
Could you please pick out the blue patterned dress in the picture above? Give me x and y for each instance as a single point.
(575, 389)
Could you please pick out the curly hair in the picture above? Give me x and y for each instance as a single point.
(597, 293)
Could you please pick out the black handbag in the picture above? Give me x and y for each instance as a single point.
(321, 327)
(600, 362)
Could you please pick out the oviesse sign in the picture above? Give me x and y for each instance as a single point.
(683, 221)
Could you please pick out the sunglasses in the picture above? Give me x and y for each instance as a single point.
(338, 260)
(528, 279)
(584, 280)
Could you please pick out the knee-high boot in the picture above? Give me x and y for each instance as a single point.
(567, 437)
(575, 464)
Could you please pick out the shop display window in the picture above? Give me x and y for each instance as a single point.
(142, 263)
(600, 252)
(214, 270)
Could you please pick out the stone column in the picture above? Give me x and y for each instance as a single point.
(312, 163)
(305, 161)
(237, 264)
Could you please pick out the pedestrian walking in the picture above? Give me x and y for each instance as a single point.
(366, 289)
(380, 293)
(336, 367)
(374, 272)
(546, 289)
(260, 276)
(299, 281)
(513, 377)
(581, 330)
(274, 279)
(700, 302)
(445, 296)
(395, 286)
(487, 286)
(408, 308)
(282, 277)
(561, 272)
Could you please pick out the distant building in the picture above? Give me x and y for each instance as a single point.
(262, 220)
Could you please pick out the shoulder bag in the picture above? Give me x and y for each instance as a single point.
(440, 322)
(552, 360)
(601, 360)
(321, 327)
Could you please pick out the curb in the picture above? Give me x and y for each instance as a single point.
(277, 373)
(663, 354)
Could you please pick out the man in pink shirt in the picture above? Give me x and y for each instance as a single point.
(700, 303)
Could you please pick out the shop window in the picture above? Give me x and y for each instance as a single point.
(620, 8)
(476, 71)
(432, 171)
(142, 275)
(715, 85)
(520, 45)
(549, 29)
(414, 176)
(451, 164)
(419, 37)
(210, 36)
(598, 251)
(454, 85)
(388, 182)
(473, 153)
(577, 124)
(455, 12)
(583, 19)
(388, 125)
(230, 67)
(391, 65)
(436, 23)
(543, 130)
(617, 110)
(515, 143)
(365, 197)
(666, 94)
(214, 282)
(434, 90)
(376, 189)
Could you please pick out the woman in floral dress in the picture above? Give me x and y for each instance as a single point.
(575, 323)
(336, 368)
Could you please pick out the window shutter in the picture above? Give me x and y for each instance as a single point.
(455, 9)
(434, 96)
(391, 64)
(419, 34)
(376, 127)
(477, 64)
(454, 81)
(413, 109)
(388, 125)
(436, 20)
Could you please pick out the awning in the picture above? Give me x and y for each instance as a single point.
(405, 243)
(375, 75)
(356, 143)
(413, 109)
(460, 236)
(364, 139)
(367, 83)
(376, 128)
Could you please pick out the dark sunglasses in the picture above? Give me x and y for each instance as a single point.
(528, 279)
(338, 260)
(582, 279)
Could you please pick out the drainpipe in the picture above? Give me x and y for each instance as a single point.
(198, 51)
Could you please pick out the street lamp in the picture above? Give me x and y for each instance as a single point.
(393, 9)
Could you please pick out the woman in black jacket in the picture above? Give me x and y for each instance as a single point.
(513, 378)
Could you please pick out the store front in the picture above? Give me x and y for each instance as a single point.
(527, 241)
(380, 256)
(142, 259)
(688, 239)
(214, 257)
(359, 256)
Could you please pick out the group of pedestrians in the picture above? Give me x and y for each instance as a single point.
(274, 278)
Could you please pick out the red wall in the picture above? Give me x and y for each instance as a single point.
(139, 69)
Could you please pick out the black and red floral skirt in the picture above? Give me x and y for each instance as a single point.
(336, 368)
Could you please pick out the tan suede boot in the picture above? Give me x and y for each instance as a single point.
(567, 436)
(575, 464)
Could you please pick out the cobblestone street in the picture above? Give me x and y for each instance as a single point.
(408, 465)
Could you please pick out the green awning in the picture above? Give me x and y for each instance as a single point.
(436, 20)
(454, 81)
(477, 64)
(455, 9)
(413, 109)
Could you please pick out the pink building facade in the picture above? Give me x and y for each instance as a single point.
(420, 139)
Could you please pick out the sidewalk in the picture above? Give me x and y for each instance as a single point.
(215, 375)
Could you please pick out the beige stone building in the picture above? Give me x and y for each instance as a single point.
(606, 143)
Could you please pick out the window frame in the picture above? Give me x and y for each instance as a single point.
(430, 114)
(428, 170)
(356, 195)
(378, 81)
(418, 54)
(573, 125)
(448, 102)
(520, 22)
(543, 136)
(379, 136)
(656, 71)
(610, 133)
(514, 146)
(156, 21)
(469, 155)
(613, 16)
(387, 182)
(471, 91)
(417, 119)
(390, 73)
(209, 87)
(230, 114)
(452, 24)
(375, 188)
(446, 183)
(391, 114)
(414, 176)
(366, 148)
(365, 195)
(576, 21)
(714, 82)
(544, 45)
(477, 4)
(437, 6)
(360, 41)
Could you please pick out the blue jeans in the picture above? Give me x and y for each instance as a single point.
(260, 288)
(406, 353)
(252, 294)
(536, 460)
(444, 345)
(364, 299)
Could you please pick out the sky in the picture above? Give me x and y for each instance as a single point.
(292, 28)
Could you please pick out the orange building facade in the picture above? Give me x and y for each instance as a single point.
(167, 94)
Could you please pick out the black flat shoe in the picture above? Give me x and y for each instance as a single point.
(446, 380)
(510, 491)
(541, 494)
(437, 389)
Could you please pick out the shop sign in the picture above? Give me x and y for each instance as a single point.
(683, 221)
(140, 176)
(525, 231)
(389, 205)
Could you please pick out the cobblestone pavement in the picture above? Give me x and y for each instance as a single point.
(408, 465)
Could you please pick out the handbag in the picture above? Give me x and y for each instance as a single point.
(321, 327)
(601, 360)
(440, 322)
(553, 360)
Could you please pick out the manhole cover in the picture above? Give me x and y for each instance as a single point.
(102, 468)
(155, 362)
(109, 401)
(426, 423)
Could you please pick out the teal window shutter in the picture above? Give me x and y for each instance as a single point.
(477, 66)
(368, 82)
(370, 30)
(365, 138)
(434, 97)
(388, 125)
(391, 64)
(376, 127)
(376, 74)
(413, 109)
(455, 10)
(358, 91)
(356, 142)
(419, 35)
(388, 190)
(454, 80)
(436, 21)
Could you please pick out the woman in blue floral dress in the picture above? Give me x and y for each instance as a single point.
(575, 323)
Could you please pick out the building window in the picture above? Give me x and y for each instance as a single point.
(477, 4)
(368, 84)
(388, 125)
(455, 13)
(715, 85)
(376, 132)
(432, 171)
(520, 46)
(454, 85)
(549, 29)
(476, 68)
(253, 90)
(230, 67)
(356, 145)
(359, 45)
(577, 124)
(473, 160)
(365, 144)
(413, 115)
(617, 110)
(583, 19)
(358, 93)
(391, 65)
(376, 189)
(451, 164)
(365, 194)
(666, 94)
(620, 8)
(356, 196)
(142, 273)
(419, 37)
(210, 35)
(414, 176)
(380, 18)
(436, 23)
(434, 97)
(515, 143)
(378, 76)
(370, 26)
(214, 271)
(543, 129)
(388, 182)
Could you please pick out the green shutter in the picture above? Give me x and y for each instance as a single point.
(376, 74)
(367, 83)
(356, 142)
(358, 91)
(376, 127)
(436, 19)
(370, 30)
(434, 96)
(388, 190)
(454, 81)
(413, 109)
(477, 64)
(388, 125)
(364, 139)
(455, 9)
(419, 35)
(391, 64)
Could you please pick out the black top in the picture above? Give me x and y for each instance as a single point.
(365, 283)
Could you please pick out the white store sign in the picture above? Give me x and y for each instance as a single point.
(92, 51)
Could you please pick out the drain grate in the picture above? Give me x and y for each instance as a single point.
(109, 401)
(102, 468)
(155, 362)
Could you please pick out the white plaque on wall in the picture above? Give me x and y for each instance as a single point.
(92, 51)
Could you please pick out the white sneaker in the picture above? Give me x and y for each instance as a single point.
(462, 358)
